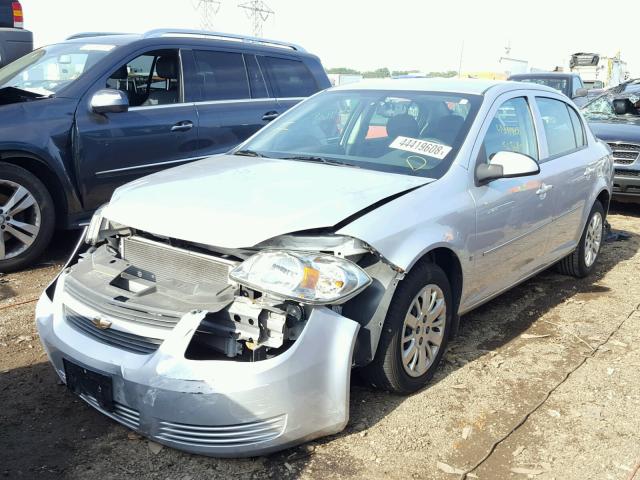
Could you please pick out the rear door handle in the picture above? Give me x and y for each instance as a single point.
(267, 117)
(182, 126)
(543, 189)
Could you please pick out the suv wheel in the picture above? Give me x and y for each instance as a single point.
(27, 217)
(582, 260)
(415, 332)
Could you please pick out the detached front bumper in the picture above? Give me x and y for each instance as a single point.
(212, 407)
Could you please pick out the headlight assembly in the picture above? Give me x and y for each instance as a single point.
(312, 278)
(100, 227)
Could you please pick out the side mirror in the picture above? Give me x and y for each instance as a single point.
(109, 101)
(581, 92)
(622, 106)
(506, 165)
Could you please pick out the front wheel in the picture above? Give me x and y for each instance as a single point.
(415, 332)
(27, 217)
(581, 262)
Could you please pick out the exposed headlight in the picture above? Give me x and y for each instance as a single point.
(95, 226)
(313, 278)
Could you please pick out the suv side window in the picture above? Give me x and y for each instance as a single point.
(289, 78)
(511, 130)
(256, 78)
(150, 79)
(221, 75)
(557, 125)
(577, 83)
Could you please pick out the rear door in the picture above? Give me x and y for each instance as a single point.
(513, 215)
(232, 99)
(290, 79)
(570, 170)
(159, 130)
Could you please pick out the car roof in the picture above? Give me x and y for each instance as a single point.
(444, 85)
(543, 75)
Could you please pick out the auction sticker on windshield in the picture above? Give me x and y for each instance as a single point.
(415, 145)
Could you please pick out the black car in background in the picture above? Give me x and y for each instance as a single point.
(80, 118)
(15, 41)
(614, 117)
(568, 83)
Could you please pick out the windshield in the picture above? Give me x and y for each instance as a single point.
(412, 133)
(47, 70)
(599, 107)
(559, 84)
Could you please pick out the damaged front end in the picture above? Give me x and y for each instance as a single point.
(205, 345)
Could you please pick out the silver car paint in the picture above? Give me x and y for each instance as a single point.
(495, 236)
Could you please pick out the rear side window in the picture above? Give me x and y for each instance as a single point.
(511, 130)
(289, 78)
(578, 129)
(558, 127)
(221, 75)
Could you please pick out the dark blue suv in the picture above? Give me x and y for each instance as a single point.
(80, 118)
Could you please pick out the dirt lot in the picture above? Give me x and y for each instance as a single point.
(511, 356)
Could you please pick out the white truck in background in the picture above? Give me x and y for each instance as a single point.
(598, 71)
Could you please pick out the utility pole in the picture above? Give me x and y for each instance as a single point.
(258, 12)
(460, 64)
(208, 10)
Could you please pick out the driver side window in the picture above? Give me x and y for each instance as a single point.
(511, 130)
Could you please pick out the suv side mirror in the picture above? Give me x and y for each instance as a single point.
(109, 101)
(581, 92)
(506, 165)
(622, 106)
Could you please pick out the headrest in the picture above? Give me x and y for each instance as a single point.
(166, 67)
(402, 125)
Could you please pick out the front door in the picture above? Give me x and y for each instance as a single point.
(159, 130)
(512, 214)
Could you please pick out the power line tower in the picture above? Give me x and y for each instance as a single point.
(208, 10)
(259, 12)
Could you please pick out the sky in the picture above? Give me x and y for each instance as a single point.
(425, 35)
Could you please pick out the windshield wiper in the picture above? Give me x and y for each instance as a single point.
(315, 158)
(250, 153)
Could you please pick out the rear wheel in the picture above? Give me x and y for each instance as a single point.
(415, 332)
(581, 262)
(27, 217)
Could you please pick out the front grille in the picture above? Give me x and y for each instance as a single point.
(223, 436)
(111, 336)
(120, 310)
(121, 413)
(625, 153)
(175, 264)
(627, 173)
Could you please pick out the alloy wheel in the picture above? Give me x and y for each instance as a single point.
(593, 239)
(20, 219)
(423, 330)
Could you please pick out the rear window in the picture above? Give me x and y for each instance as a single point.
(6, 14)
(289, 78)
(559, 84)
(221, 75)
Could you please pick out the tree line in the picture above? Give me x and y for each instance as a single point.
(385, 72)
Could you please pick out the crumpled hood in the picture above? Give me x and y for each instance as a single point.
(617, 129)
(234, 201)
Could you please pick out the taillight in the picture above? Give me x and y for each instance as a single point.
(18, 17)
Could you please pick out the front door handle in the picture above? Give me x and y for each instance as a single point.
(267, 117)
(542, 191)
(182, 126)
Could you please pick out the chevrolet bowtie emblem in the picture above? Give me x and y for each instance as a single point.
(101, 323)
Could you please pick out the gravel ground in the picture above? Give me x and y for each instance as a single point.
(570, 348)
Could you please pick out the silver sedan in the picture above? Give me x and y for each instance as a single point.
(219, 307)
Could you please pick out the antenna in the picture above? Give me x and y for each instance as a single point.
(258, 11)
(208, 10)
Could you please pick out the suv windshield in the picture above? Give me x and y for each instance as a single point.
(47, 70)
(412, 133)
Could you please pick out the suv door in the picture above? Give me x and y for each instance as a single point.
(567, 163)
(159, 129)
(290, 80)
(512, 214)
(233, 101)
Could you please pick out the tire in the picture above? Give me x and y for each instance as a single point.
(388, 371)
(27, 225)
(578, 264)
